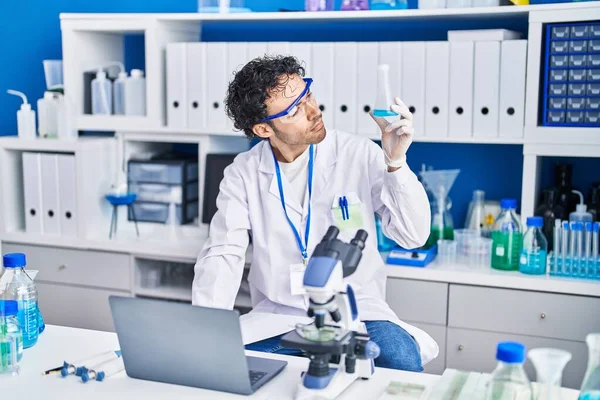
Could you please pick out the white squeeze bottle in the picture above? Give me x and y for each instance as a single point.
(25, 117)
(135, 93)
(101, 94)
(119, 93)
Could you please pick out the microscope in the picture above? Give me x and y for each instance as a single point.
(336, 342)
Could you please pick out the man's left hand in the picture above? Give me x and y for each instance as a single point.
(396, 136)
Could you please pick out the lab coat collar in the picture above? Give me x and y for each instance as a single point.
(325, 158)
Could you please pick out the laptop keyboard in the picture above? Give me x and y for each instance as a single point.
(255, 376)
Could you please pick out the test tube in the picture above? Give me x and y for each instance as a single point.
(565, 248)
(576, 263)
(586, 264)
(557, 248)
(595, 244)
(103, 371)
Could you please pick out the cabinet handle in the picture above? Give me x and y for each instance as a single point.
(62, 267)
(543, 316)
(461, 347)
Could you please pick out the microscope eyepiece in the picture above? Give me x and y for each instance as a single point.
(331, 233)
(360, 238)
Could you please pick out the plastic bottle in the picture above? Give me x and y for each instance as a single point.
(550, 210)
(47, 108)
(21, 288)
(8, 312)
(580, 214)
(101, 94)
(535, 248)
(119, 93)
(507, 237)
(25, 117)
(135, 93)
(509, 380)
(590, 387)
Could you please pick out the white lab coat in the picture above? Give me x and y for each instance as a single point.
(249, 201)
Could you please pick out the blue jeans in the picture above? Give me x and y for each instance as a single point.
(398, 349)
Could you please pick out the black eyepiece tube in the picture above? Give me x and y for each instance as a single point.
(360, 238)
(332, 233)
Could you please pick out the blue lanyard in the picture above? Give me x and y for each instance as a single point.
(303, 247)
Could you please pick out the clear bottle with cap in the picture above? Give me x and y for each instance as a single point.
(119, 93)
(25, 117)
(135, 93)
(535, 248)
(580, 214)
(101, 94)
(47, 110)
(11, 337)
(509, 380)
(507, 237)
(20, 287)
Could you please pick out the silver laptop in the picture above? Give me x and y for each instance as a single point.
(186, 345)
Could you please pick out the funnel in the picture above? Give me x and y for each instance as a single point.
(53, 71)
(590, 389)
(549, 365)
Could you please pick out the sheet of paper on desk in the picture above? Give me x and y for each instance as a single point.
(257, 326)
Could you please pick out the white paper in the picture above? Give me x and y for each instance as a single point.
(297, 279)
(257, 326)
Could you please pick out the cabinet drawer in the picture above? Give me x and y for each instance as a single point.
(469, 350)
(77, 267)
(76, 307)
(438, 333)
(528, 313)
(418, 301)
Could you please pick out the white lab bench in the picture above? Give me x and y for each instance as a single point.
(57, 344)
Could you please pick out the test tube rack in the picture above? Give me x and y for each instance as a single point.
(574, 267)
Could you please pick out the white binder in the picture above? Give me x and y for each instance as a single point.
(32, 193)
(50, 198)
(413, 82)
(278, 48)
(461, 89)
(345, 79)
(486, 89)
(368, 60)
(322, 72)
(513, 65)
(256, 49)
(437, 66)
(176, 54)
(237, 57)
(196, 85)
(67, 189)
(216, 85)
(302, 51)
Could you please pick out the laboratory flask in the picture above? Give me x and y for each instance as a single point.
(384, 98)
(507, 237)
(590, 388)
(535, 248)
(549, 365)
(509, 380)
(439, 184)
(476, 214)
(21, 288)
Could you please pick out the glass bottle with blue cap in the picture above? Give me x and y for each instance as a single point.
(535, 248)
(11, 337)
(509, 380)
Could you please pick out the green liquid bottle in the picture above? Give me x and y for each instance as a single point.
(507, 238)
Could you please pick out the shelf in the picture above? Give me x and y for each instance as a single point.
(51, 145)
(560, 150)
(168, 292)
(113, 122)
(469, 140)
(443, 13)
(486, 276)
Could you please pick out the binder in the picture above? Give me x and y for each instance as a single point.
(256, 49)
(345, 79)
(50, 198)
(322, 71)
(216, 85)
(413, 82)
(278, 48)
(368, 60)
(176, 54)
(67, 189)
(237, 57)
(513, 66)
(302, 51)
(196, 85)
(437, 66)
(486, 89)
(32, 192)
(390, 53)
(460, 120)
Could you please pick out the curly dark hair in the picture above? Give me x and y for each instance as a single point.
(250, 87)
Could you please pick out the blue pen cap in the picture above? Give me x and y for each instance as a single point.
(14, 260)
(8, 308)
(510, 352)
(535, 222)
(509, 204)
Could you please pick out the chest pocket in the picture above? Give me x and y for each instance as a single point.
(348, 214)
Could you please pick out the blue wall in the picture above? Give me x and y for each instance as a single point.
(28, 38)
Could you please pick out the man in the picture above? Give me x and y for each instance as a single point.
(286, 192)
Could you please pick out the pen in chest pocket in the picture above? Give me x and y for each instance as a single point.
(343, 202)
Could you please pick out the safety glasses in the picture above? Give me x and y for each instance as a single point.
(297, 109)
